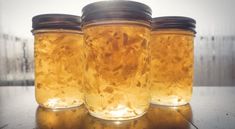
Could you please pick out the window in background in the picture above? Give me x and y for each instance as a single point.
(214, 44)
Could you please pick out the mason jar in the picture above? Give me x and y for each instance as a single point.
(116, 47)
(171, 48)
(58, 60)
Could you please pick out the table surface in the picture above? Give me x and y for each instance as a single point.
(210, 108)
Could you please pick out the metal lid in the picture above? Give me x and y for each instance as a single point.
(174, 22)
(56, 21)
(109, 10)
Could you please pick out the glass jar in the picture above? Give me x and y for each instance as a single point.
(58, 60)
(116, 35)
(171, 48)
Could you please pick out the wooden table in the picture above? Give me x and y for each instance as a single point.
(210, 108)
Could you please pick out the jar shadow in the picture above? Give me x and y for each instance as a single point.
(71, 118)
(157, 117)
(163, 117)
(91, 122)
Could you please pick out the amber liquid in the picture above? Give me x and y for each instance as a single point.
(116, 70)
(58, 69)
(171, 67)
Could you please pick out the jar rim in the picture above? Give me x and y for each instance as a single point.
(173, 31)
(56, 31)
(116, 22)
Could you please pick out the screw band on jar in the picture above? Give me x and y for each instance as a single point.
(56, 21)
(174, 22)
(116, 10)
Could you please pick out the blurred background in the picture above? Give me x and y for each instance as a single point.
(214, 43)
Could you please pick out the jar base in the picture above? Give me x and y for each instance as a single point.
(57, 105)
(104, 117)
(61, 108)
(169, 104)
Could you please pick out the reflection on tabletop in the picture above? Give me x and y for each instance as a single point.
(158, 117)
(162, 117)
(60, 119)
